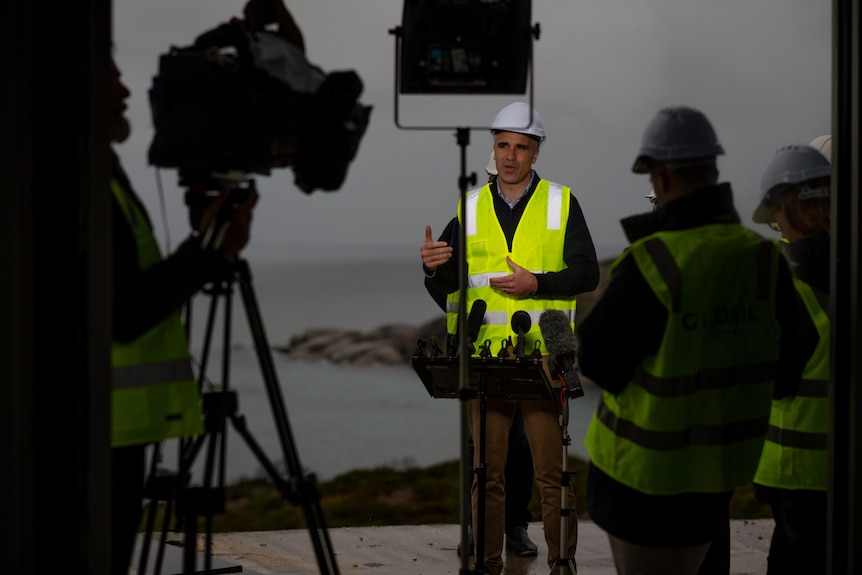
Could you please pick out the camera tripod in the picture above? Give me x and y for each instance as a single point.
(220, 407)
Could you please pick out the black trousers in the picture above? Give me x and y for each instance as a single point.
(798, 542)
(717, 560)
(127, 496)
(519, 476)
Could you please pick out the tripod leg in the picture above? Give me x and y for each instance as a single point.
(310, 500)
(220, 406)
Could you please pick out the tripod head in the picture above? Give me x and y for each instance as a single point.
(203, 189)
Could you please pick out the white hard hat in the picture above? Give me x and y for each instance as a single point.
(677, 134)
(797, 165)
(491, 168)
(823, 144)
(521, 119)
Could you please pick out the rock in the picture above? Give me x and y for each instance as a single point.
(433, 328)
(356, 350)
(390, 344)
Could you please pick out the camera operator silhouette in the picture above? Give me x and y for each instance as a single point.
(154, 393)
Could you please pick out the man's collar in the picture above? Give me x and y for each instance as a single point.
(709, 205)
(533, 178)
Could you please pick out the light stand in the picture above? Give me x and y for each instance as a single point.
(463, 84)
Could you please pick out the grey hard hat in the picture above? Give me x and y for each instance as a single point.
(796, 165)
(677, 134)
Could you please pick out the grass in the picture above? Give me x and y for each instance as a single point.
(388, 496)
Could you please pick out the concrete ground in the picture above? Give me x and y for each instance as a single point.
(426, 550)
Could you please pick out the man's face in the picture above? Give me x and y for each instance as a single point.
(514, 155)
(118, 125)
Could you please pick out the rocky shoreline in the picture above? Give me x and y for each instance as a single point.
(388, 344)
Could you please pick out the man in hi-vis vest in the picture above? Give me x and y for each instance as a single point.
(793, 473)
(154, 392)
(691, 340)
(519, 467)
(528, 249)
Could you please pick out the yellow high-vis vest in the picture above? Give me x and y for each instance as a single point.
(796, 452)
(694, 416)
(537, 246)
(154, 393)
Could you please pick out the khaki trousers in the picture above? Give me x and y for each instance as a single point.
(546, 445)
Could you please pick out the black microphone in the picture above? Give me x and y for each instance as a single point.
(474, 323)
(562, 346)
(521, 324)
(475, 319)
(436, 350)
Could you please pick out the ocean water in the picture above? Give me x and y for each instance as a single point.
(340, 418)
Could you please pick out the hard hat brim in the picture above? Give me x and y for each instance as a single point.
(762, 214)
(642, 165)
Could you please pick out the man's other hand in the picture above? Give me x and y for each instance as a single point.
(520, 282)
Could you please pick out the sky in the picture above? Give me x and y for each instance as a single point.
(759, 69)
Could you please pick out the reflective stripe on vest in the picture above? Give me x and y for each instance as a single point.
(795, 454)
(694, 416)
(155, 395)
(151, 373)
(538, 246)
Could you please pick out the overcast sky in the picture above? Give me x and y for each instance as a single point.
(759, 69)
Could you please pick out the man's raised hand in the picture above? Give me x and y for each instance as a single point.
(434, 253)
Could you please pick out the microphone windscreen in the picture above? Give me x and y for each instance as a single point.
(521, 322)
(475, 319)
(557, 333)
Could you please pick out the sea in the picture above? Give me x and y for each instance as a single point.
(336, 419)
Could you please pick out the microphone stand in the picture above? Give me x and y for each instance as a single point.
(567, 565)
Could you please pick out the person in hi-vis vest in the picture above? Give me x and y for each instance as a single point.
(519, 468)
(792, 476)
(528, 249)
(154, 392)
(690, 341)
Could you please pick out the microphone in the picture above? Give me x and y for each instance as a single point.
(475, 319)
(562, 347)
(436, 350)
(521, 324)
(474, 323)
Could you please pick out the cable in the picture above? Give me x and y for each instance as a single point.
(164, 211)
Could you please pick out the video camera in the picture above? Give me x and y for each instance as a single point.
(247, 101)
